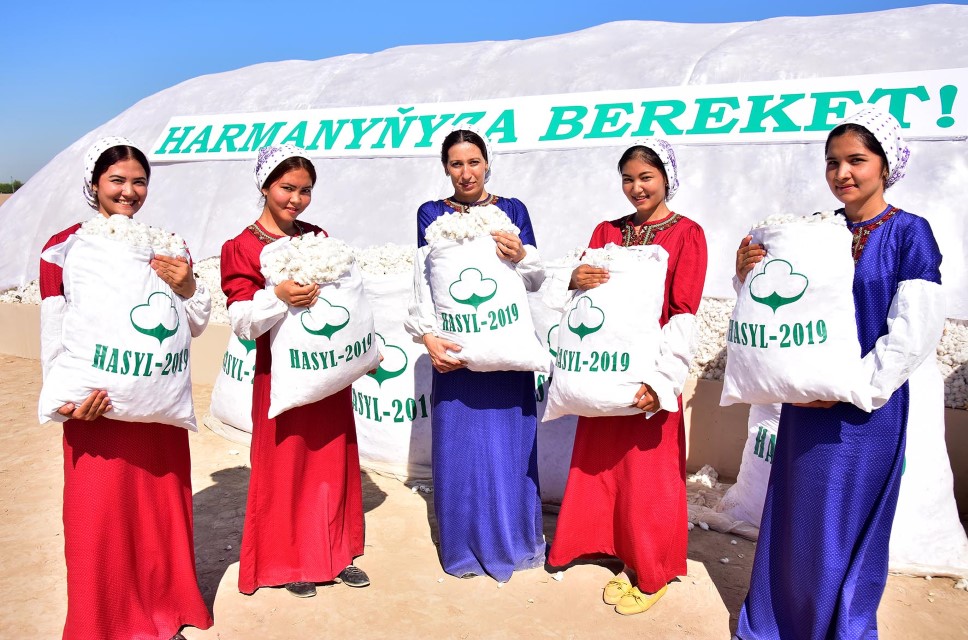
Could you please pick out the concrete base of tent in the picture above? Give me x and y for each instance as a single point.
(714, 435)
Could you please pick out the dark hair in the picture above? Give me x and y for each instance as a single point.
(290, 164)
(114, 155)
(456, 137)
(646, 155)
(866, 138)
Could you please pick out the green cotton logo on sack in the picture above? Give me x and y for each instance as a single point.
(394, 362)
(157, 317)
(324, 318)
(472, 288)
(585, 319)
(778, 285)
(553, 340)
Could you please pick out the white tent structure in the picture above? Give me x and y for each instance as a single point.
(371, 201)
(725, 187)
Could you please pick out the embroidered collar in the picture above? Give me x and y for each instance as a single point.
(267, 238)
(862, 230)
(647, 232)
(463, 207)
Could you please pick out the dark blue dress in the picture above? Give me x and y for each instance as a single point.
(821, 559)
(485, 453)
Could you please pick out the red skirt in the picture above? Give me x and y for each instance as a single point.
(304, 514)
(626, 496)
(128, 535)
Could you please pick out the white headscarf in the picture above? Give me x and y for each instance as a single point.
(886, 129)
(270, 157)
(668, 157)
(91, 158)
(487, 144)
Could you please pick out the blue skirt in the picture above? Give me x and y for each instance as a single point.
(822, 555)
(485, 467)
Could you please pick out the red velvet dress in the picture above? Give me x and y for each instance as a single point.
(128, 537)
(626, 490)
(304, 513)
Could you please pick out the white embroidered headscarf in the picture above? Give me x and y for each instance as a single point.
(886, 129)
(487, 144)
(270, 157)
(91, 158)
(668, 157)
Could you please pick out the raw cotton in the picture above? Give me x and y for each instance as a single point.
(792, 336)
(609, 336)
(307, 259)
(476, 222)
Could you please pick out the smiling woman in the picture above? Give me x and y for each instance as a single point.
(810, 511)
(304, 512)
(626, 491)
(483, 423)
(127, 483)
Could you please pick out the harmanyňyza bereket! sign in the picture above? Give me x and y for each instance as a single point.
(924, 102)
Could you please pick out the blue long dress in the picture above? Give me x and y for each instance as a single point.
(821, 559)
(485, 452)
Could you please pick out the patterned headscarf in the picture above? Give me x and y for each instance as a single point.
(487, 144)
(886, 129)
(668, 157)
(91, 158)
(270, 157)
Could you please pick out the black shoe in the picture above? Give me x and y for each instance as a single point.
(178, 636)
(468, 576)
(301, 589)
(353, 576)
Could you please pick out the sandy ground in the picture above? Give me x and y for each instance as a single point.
(410, 596)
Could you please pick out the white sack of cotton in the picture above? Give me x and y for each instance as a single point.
(479, 299)
(232, 393)
(609, 336)
(792, 336)
(392, 404)
(318, 350)
(125, 331)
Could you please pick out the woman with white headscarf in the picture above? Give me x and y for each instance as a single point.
(626, 491)
(483, 424)
(128, 537)
(822, 555)
(304, 513)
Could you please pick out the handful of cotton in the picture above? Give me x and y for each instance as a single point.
(478, 221)
(134, 233)
(306, 259)
(830, 217)
(612, 252)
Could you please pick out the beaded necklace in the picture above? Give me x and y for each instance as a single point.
(265, 238)
(463, 207)
(863, 230)
(645, 234)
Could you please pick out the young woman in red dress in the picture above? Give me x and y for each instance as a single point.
(626, 491)
(304, 513)
(128, 537)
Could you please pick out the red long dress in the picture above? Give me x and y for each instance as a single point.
(304, 513)
(626, 490)
(128, 537)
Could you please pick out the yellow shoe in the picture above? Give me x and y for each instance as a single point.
(637, 602)
(615, 590)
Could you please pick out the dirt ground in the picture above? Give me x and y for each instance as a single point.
(410, 596)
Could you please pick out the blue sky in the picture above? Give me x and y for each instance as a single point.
(67, 67)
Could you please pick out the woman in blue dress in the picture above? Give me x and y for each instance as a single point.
(821, 559)
(484, 425)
